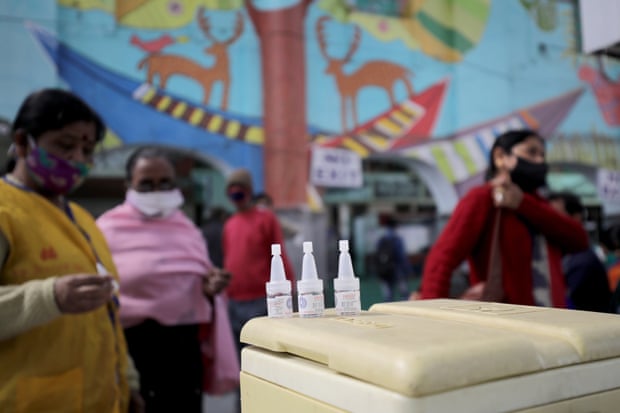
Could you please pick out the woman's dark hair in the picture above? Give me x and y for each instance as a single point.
(506, 141)
(53, 109)
(144, 152)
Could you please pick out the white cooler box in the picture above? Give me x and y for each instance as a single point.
(434, 356)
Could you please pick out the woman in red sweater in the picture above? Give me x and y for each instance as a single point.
(508, 233)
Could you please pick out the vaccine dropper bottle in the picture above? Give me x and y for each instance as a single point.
(346, 285)
(310, 288)
(279, 301)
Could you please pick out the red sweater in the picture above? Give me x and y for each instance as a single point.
(246, 242)
(468, 235)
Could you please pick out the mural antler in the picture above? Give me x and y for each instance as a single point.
(357, 36)
(166, 65)
(320, 27)
(205, 26)
(382, 74)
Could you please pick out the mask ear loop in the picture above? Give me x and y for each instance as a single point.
(31, 142)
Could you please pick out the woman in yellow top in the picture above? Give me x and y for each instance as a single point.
(61, 345)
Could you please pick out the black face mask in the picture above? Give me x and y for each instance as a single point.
(529, 176)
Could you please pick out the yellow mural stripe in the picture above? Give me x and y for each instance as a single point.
(320, 139)
(179, 109)
(255, 135)
(409, 110)
(442, 162)
(377, 141)
(148, 96)
(463, 152)
(388, 126)
(164, 103)
(215, 123)
(402, 117)
(355, 147)
(232, 129)
(196, 116)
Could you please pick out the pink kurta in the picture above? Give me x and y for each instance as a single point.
(161, 263)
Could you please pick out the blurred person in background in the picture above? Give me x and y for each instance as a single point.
(169, 288)
(62, 348)
(248, 235)
(585, 274)
(289, 229)
(610, 253)
(212, 230)
(513, 239)
(391, 263)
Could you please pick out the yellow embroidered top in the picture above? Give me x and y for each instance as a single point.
(73, 363)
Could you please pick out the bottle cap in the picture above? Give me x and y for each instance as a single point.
(276, 249)
(307, 247)
(346, 279)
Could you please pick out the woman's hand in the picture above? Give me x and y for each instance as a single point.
(80, 293)
(474, 292)
(216, 280)
(505, 193)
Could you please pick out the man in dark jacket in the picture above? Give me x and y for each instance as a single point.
(585, 274)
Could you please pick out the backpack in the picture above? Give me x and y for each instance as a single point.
(385, 258)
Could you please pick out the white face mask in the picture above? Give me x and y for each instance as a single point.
(157, 203)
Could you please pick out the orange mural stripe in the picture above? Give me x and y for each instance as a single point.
(529, 119)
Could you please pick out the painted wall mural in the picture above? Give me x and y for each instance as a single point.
(258, 83)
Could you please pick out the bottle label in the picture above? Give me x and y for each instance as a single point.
(311, 305)
(279, 306)
(348, 302)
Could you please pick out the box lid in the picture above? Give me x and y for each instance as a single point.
(419, 348)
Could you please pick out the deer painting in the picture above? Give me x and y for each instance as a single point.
(167, 65)
(376, 73)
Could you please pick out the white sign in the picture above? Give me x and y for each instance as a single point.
(608, 186)
(335, 167)
(599, 24)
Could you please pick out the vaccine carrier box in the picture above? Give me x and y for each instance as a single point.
(434, 356)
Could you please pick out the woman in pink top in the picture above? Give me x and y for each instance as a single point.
(167, 283)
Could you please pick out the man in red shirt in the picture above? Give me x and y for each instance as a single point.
(246, 242)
